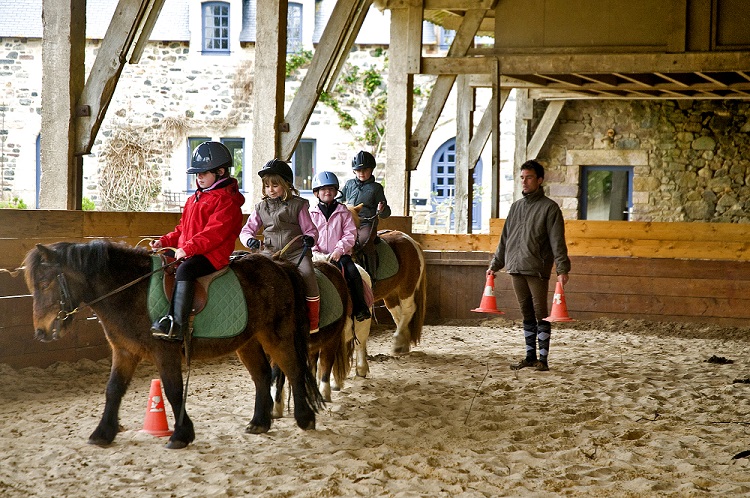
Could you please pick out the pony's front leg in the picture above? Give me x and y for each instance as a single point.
(254, 358)
(120, 375)
(169, 363)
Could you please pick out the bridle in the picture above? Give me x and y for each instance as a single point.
(67, 310)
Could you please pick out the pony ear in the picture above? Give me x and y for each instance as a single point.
(358, 207)
(46, 254)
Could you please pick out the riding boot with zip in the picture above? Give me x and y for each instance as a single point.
(173, 326)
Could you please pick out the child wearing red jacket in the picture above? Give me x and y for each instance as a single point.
(205, 237)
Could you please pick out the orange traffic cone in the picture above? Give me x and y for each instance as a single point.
(559, 308)
(489, 302)
(155, 422)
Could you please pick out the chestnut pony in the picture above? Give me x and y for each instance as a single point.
(64, 276)
(405, 293)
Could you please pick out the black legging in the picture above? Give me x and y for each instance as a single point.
(194, 267)
(354, 279)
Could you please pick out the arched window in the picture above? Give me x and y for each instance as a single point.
(444, 186)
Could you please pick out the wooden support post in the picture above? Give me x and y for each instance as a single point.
(524, 106)
(63, 56)
(464, 170)
(270, 66)
(499, 97)
(406, 34)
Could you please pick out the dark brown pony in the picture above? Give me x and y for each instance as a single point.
(330, 349)
(405, 293)
(63, 275)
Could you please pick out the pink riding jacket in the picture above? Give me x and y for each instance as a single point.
(337, 232)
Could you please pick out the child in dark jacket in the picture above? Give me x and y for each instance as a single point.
(205, 235)
(366, 191)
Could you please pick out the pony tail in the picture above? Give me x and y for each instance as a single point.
(302, 335)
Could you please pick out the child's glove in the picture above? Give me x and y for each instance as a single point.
(308, 241)
(253, 244)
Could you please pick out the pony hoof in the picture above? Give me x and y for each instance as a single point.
(401, 349)
(310, 426)
(176, 445)
(256, 429)
(99, 442)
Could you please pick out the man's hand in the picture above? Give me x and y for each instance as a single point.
(253, 243)
(563, 279)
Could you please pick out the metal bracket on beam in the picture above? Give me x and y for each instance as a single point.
(83, 111)
(284, 127)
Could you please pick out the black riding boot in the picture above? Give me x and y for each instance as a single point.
(359, 305)
(172, 327)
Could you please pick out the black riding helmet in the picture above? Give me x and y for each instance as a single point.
(209, 156)
(277, 167)
(363, 160)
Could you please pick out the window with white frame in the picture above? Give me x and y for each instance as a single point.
(215, 19)
(294, 28)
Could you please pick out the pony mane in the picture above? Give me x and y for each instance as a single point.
(90, 258)
(354, 210)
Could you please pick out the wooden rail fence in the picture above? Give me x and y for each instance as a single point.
(695, 272)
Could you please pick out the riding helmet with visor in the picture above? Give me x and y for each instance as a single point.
(363, 160)
(277, 167)
(210, 156)
(325, 179)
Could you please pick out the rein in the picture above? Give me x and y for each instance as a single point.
(66, 299)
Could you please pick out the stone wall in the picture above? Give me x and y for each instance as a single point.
(691, 158)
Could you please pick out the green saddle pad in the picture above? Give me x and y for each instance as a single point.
(387, 261)
(331, 307)
(225, 313)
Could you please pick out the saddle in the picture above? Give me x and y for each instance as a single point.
(386, 262)
(219, 303)
(201, 293)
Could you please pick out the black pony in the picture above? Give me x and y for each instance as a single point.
(64, 275)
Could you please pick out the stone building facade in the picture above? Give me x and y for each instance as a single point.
(690, 159)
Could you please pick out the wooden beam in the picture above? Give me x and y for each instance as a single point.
(63, 58)
(400, 108)
(499, 97)
(335, 43)
(442, 87)
(484, 129)
(452, 5)
(524, 113)
(145, 35)
(464, 128)
(545, 126)
(270, 65)
(619, 63)
(105, 72)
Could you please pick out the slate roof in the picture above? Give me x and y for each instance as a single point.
(24, 19)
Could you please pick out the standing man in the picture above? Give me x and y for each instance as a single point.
(533, 239)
